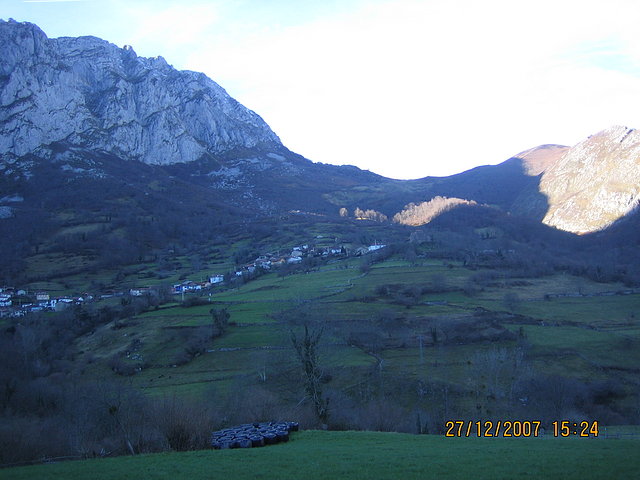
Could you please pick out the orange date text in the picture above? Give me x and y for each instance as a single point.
(492, 428)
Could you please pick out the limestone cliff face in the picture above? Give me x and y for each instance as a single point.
(595, 182)
(89, 93)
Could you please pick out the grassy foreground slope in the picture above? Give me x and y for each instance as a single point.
(366, 455)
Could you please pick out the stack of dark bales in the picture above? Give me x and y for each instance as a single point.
(253, 435)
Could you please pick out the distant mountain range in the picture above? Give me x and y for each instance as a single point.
(90, 131)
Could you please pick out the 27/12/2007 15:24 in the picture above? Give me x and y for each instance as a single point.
(518, 428)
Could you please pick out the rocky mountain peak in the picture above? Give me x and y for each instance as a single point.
(27, 39)
(89, 93)
(595, 183)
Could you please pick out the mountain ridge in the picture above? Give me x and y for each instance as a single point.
(80, 116)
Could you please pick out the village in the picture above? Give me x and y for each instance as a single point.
(18, 302)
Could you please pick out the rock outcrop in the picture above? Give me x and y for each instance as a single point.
(86, 92)
(595, 182)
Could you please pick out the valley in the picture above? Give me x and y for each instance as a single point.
(426, 332)
(169, 268)
(410, 335)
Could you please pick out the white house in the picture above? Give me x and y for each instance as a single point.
(51, 304)
(42, 297)
(216, 279)
(138, 292)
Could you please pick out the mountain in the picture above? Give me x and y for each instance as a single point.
(90, 93)
(537, 160)
(76, 111)
(529, 201)
(594, 183)
(585, 188)
(112, 157)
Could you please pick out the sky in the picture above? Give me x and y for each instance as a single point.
(403, 88)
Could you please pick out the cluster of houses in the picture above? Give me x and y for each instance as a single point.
(262, 263)
(17, 303)
(296, 255)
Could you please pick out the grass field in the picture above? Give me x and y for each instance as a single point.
(366, 455)
(410, 339)
(583, 336)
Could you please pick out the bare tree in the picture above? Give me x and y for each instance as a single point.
(423, 213)
(220, 319)
(307, 352)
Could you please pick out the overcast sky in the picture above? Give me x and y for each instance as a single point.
(404, 88)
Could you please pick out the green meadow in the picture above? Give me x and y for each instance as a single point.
(580, 336)
(367, 455)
